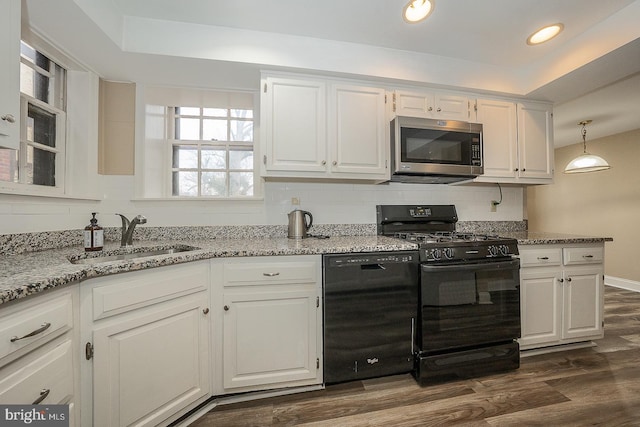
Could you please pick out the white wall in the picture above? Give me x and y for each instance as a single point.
(330, 203)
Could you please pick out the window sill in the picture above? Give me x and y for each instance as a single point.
(198, 199)
(46, 194)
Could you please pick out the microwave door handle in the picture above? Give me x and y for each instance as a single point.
(515, 263)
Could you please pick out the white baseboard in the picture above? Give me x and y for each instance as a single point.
(618, 282)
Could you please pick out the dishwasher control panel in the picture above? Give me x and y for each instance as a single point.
(372, 258)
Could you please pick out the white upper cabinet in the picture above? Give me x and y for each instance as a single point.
(499, 137)
(357, 131)
(294, 125)
(10, 74)
(535, 141)
(315, 128)
(437, 105)
(517, 141)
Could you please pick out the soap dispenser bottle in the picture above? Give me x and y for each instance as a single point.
(93, 235)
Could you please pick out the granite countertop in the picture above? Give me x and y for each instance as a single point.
(545, 238)
(33, 272)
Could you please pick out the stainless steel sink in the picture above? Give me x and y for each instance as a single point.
(100, 258)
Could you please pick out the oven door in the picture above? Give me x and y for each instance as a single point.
(466, 305)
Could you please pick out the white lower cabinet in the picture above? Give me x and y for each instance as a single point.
(561, 290)
(147, 349)
(38, 351)
(270, 323)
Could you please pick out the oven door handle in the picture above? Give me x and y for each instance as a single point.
(474, 266)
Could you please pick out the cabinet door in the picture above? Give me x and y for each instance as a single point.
(357, 131)
(46, 376)
(294, 125)
(535, 141)
(270, 338)
(410, 104)
(541, 305)
(450, 107)
(500, 139)
(151, 363)
(10, 74)
(583, 302)
(431, 105)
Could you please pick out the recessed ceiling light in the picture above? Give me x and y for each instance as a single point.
(417, 10)
(545, 34)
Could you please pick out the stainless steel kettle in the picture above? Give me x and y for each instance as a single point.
(298, 225)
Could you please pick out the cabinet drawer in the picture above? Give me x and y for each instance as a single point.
(119, 294)
(34, 324)
(269, 272)
(540, 257)
(585, 255)
(48, 375)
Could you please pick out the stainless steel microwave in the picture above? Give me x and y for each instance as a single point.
(435, 151)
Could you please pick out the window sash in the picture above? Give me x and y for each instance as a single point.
(58, 150)
(205, 113)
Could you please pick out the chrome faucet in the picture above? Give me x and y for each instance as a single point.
(128, 227)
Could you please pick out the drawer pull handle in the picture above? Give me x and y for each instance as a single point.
(41, 329)
(271, 274)
(43, 395)
(587, 256)
(543, 258)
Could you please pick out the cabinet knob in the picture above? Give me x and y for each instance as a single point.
(561, 280)
(334, 163)
(430, 109)
(206, 310)
(8, 118)
(568, 279)
(439, 109)
(523, 169)
(324, 162)
(226, 308)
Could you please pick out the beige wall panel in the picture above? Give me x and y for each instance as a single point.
(116, 145)
(605, 203)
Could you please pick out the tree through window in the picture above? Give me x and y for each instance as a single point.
(212, 152)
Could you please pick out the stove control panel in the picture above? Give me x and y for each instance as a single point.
(441, 252)
(420, 212)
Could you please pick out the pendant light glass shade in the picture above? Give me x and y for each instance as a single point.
(586, 162)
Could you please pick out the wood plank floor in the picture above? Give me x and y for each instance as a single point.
(592, 386)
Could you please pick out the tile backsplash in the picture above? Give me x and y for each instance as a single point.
(330, 203)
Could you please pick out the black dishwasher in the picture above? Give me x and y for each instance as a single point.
(370, 310)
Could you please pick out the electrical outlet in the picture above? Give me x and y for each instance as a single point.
(494, 206)
(295, 201)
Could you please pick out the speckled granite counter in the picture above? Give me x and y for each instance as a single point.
(544, 238)
(33, 272)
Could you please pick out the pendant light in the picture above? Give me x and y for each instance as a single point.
(586, 162)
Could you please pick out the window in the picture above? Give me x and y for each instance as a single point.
(211, 152)
(40, 158)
